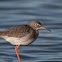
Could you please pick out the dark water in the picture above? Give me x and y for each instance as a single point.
(48, 46)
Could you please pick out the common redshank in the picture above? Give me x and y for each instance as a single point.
(22, 34)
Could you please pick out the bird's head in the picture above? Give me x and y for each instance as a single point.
(37, 25)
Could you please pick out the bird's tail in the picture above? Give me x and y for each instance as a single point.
(2, 33)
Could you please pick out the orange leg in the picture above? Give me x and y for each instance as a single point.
(16, 50)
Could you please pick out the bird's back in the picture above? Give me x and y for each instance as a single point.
(18, 31)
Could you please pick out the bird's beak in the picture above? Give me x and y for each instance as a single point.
(44, 28)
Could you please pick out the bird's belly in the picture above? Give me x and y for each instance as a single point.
(18, 41)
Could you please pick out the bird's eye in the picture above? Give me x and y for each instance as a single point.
(37, 24)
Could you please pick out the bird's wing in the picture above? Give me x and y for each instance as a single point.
(19, 31)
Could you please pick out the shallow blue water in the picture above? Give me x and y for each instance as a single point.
(48, 46)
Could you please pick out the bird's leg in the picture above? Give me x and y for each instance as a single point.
(16, 50)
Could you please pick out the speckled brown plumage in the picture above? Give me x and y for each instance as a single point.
(20, 31)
